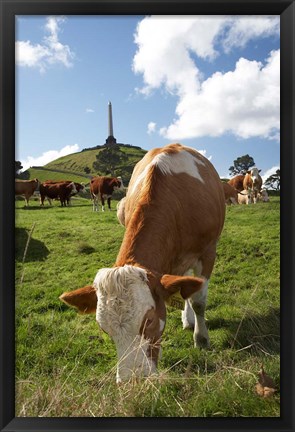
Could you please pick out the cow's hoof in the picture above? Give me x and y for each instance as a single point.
(202, 342)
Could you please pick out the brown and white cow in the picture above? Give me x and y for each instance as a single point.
(174, 215)
(253, 182)
(104, 187)
(237, 182)
(80, 187)
(26, 188)
(61, 191)
(245, 197)
(230, 194)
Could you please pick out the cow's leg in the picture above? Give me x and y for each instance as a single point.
(27, 197)
(109, 203)
(193, 315)
(255, 196)
(102, 202)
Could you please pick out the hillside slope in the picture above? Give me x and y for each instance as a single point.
(72, 166)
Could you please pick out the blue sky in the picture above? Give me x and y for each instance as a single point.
(208, 82)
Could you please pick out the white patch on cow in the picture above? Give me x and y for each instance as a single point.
(124, 298)
(176, 163)
(188, 315)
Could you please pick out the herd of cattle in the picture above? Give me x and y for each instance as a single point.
(173, 214)
(64, 190)
(241, 189)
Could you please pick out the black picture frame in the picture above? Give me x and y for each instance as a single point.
(11, 8)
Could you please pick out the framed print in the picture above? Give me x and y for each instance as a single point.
(146, 259)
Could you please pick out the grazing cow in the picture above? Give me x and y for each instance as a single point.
(51, 191)
(26, 188)
(253, 182)
(80, 187)
(230, 194)
(237, 182)
(121, 211)
(103, 187)
(263, 196)
(174, 215)
(245, 197)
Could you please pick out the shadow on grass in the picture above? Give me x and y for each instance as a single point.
(37, 251)
(262, 332)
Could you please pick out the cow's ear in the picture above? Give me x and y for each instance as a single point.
(248, 172)
(259, 170)
(84, 299)
(186, 285)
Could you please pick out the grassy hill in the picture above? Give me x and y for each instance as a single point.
(71, 167)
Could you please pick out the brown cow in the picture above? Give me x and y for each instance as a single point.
(237, 182)
(26, 188)
(103, 187)
(80, 187)
(230, 194)
(253, 182)
(168, 233)
(56, 190)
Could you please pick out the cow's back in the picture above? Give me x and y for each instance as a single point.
(179, 190)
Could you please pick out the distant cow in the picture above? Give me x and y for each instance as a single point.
(104, 187)
(245, 197)
(26, 188)
(263, 196)
(61, 191)
(174, 215)
(237, 182)
(80, 187)
(253, 182)
(121, 211)
(230, 194)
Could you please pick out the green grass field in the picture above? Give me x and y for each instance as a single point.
(65, 365)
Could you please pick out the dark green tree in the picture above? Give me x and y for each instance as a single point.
(274, 181)
(241, 165)
(18, 166)
(108, 159)
(87, 170)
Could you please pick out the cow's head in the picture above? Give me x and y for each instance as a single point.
(119, 183)
(254, 173)
(130, 308)
(72, 188)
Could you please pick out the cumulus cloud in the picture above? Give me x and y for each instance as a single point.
(49, 52)
(48, 156)
(244, 101)
(151, 127)
(269, 172)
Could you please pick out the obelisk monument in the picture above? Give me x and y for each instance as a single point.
(110, 139)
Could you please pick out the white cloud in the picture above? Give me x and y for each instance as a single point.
(89, 110)
(51, 51)
(244, 101)
(246, 28)
(48, 156)
(269, 172)
(151, 127)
